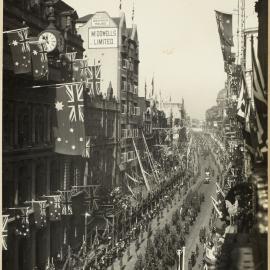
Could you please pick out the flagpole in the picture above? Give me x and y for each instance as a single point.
(15, 30)
(50, 85)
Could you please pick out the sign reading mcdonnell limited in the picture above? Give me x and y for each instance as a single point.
(102, 37)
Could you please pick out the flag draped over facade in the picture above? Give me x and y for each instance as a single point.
(70, 130)
(93, 79)
(39, 208)
(20, 50)
(39, 60)
(224, 22)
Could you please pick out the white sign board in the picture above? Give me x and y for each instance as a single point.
(100, 21)
(102, 38)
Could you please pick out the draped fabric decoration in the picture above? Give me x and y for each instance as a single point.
(22, 221)
(66, 202)
(54, 207)
(39, 208)
(4, 231)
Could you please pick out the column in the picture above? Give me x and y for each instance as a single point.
(33, 178)
(15, 124)
(33, 114)
(48, 175)
(16, 181)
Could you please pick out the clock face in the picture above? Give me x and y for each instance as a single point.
(49, 39)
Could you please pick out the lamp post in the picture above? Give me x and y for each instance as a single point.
(183, 260)
(178, 252)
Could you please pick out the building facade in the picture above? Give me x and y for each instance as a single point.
(32, 172)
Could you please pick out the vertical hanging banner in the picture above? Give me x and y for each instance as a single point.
(4, 231)
(39, 60)
(66, 202)
(69, 132)
(20, 50)
(39, 208)
(224, 22)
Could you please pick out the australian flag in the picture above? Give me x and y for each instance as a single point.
(20, 50)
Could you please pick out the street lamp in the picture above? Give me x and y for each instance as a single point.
(178, 252)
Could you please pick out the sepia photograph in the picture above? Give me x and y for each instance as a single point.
(134, 135)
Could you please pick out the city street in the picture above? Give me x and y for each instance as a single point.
(193, 237)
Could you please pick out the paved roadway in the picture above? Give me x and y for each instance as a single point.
(193, 237)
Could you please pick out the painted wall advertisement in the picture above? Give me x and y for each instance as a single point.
(102, 38)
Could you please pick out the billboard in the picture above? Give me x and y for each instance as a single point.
(102, 37)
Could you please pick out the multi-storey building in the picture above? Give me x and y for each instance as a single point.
(32, 171)
(109, 42)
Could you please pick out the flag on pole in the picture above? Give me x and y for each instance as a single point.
(224, 22)
(20, 50)
(242, 99)
(93, 80)
(39, 60)
(69, 131)
(153, 87)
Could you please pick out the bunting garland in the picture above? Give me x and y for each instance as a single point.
(4, 231)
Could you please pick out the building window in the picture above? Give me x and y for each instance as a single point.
(24, 128)
(39, 127)
(40, 179)
(24, 184)
(54, 176)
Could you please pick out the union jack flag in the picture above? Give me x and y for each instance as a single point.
(75, 102)
(86, 152)
(4, 231)
(93, 79)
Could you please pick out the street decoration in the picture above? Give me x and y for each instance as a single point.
(4, 231)
(39, 208)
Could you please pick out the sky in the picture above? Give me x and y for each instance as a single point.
(178, 45)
